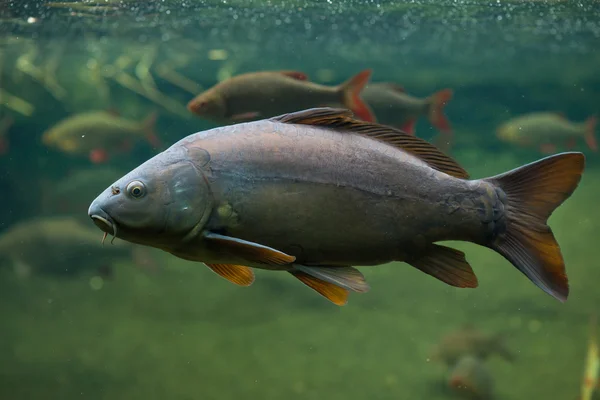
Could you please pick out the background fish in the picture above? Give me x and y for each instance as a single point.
(57, 246)
(393, 106)
(98, 133)
(548, 131)
(315, 192)
(470, 341)
(269, 93)
(72, 194)
(471, 379)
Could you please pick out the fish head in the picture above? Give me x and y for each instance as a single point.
(210, 105)
(162, 203)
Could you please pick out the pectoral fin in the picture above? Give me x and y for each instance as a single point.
(333, 293)
(345, 277)
(249, 251)
(238, 274)
(448, 265)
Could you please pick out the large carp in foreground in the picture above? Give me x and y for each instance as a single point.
(316, 192)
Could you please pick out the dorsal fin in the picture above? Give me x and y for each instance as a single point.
(301, 76)
(343, 120)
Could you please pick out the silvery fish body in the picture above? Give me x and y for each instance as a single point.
(314, 193)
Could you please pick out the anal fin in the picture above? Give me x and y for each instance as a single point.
(238, 274)
(448, 265)
(333, 293)
(345, 277)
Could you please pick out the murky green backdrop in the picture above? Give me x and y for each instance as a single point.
(178, 331)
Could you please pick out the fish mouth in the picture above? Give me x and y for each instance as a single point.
(105, 223)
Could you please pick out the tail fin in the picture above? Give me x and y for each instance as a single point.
(351, 99)
(148, 126)
(590, 137)
(437, 102)
(533, 192)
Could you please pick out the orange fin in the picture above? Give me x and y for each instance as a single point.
(436, 110)
(351, 90)
(98, 156)
(238, 274)
(249, 251)
(149, 126)
(301, 76)
(409, 127)
(346, 277)
(448, 265)
(333, 293)
(342, 121)
(590, 137)
(533, 192)
(247, 116)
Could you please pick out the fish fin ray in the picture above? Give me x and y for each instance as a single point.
(533, 192)
(448, 265)
(342, 120)
(337, 295)
(249, 251)
(346, 277)
(238, 274)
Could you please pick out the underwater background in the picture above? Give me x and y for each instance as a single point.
(164, 328)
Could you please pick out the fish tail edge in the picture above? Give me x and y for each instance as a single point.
(351, 95)
(437, 102)
(533, 192)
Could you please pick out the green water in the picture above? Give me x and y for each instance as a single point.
(178, 331)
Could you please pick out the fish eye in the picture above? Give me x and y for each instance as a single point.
(136, 189)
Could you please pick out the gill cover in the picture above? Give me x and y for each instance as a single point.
(190, 198)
